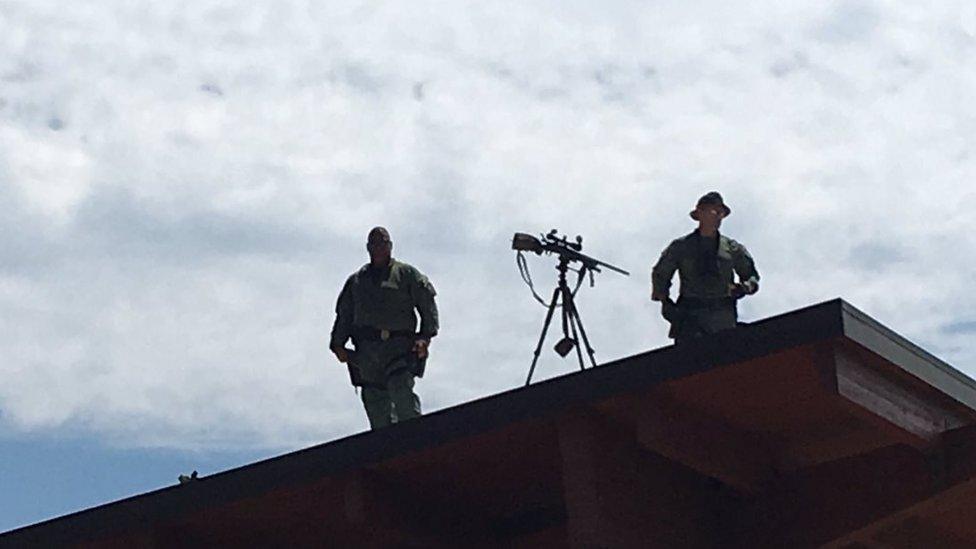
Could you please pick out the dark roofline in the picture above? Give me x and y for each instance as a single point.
(813, 324)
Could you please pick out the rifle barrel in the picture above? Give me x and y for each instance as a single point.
(585, 259)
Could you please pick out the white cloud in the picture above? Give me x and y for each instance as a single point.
(185, 186)
(51, 173)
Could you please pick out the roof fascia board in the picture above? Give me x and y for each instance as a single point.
(919, 363)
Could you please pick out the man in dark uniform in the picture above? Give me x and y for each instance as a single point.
(705, 261)
(376, 310)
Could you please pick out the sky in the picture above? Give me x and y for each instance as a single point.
(184, 187)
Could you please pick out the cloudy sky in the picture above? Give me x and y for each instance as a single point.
(184, 186)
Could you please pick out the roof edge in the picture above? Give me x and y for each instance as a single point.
(907, 356)
(813, 324)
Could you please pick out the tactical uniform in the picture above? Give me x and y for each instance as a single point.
(705, 268)
(376, 309)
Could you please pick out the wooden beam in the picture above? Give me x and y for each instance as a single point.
(582, 447)
(823, 502)
(714, 448)
(380, 510)
(890, 398)
(617, 495)
(915, 526)
(874, 405)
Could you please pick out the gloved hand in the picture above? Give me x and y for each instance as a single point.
(420, 348)
(342, 354)
(738, 291)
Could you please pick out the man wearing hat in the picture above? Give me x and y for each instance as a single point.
(376, 310)
(705, 261)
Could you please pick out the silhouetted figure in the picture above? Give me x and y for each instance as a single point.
(705, 261)
(376, 310)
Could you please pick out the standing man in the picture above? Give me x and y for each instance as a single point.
(376, 309)
(705, 261)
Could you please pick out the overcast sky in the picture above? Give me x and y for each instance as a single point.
(184, 186)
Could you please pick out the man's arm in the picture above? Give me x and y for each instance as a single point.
(422, 292)
(342, 327)
(663, 272)
(745, 267)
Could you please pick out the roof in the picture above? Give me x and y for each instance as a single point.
(813, 410)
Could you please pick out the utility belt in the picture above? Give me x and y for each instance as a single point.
(414, 364)
(699, 303)
(682, 315)
(369, 333)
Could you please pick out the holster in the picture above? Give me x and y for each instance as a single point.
(354, 376)
(419, 365)
(415, 365)
(674, 315)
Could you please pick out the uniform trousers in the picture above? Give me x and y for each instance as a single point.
(386, 371)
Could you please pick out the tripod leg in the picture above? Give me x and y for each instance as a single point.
(565, 312)
(569, 310)
(574, 313)
(542, 338)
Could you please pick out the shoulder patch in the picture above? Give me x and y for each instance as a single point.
(735, 245)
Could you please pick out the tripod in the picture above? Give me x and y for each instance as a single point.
(572, 324)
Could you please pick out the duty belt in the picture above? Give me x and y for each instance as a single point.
(369, 333)
(705, 303)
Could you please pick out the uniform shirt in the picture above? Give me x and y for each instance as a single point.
(385, 298)
(705, 267)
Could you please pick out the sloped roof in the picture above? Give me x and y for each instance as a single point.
(788, 408)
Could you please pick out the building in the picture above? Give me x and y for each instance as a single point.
(817, 427)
